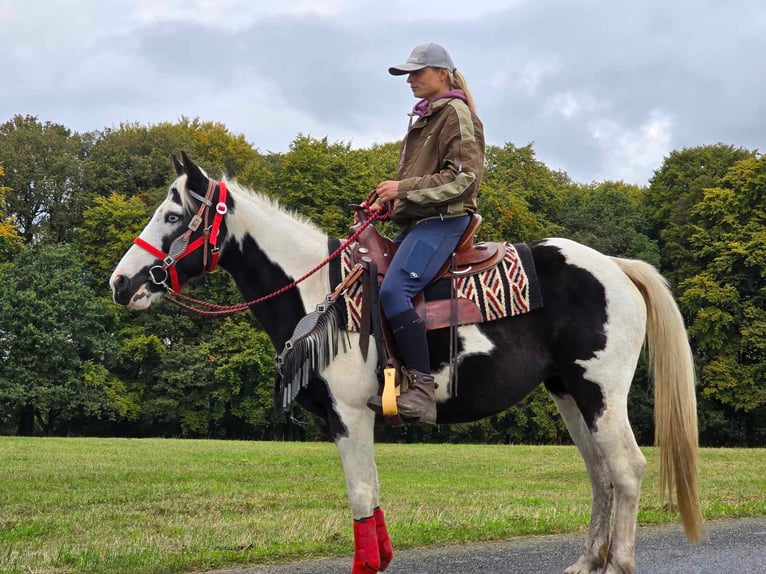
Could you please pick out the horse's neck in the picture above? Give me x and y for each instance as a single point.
(268, 248)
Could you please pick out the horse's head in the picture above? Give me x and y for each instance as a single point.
(179, 243)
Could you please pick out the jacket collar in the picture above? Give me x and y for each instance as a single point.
(425, 108)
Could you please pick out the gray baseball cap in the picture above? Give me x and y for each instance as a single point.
(424, 56)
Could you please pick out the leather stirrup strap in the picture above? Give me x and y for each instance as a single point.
(453, 337)
(365, 320)
(377, 321)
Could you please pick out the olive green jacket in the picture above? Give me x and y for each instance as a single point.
(441, 164)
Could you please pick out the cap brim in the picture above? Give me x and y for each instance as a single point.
(405, 69)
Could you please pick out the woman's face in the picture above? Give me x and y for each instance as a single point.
(428, 83)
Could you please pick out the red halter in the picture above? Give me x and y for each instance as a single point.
(180, 247)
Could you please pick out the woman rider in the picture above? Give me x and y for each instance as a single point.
(434, 193)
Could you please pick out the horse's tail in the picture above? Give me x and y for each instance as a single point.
(675, 403)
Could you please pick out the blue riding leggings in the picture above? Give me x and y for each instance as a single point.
(419, 257)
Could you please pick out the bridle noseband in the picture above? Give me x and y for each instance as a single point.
(180, 247)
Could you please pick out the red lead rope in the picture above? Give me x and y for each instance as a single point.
(215, 310)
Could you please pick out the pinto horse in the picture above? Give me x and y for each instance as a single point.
(583, 345)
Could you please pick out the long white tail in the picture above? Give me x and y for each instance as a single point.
(675, 403)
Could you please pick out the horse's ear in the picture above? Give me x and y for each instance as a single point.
(178, 165)
(197, 180)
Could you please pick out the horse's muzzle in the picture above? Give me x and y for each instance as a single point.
(121, 292)
(134, 293)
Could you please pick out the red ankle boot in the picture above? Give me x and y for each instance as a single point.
(384, 541)
(366, 552)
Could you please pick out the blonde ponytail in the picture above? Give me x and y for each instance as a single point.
(457, 81)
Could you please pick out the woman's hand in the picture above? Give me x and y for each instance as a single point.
(385, 192)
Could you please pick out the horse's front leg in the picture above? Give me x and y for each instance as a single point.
(372, 546)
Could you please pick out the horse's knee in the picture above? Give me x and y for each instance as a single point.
(363, 498)
(631, 472)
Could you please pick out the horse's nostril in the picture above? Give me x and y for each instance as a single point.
(119, 283)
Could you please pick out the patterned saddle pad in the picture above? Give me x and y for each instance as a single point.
(506, 290)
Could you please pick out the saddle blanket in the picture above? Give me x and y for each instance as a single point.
(506, 290)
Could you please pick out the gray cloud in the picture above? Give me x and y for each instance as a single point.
(605, 90)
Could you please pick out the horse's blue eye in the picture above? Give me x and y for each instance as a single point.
(172, 218)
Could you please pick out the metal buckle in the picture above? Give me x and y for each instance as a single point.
(221, 208)
(195, 222)
(199, 198)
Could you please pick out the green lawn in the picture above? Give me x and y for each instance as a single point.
(152, 506)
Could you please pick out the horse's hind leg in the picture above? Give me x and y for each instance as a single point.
(627, 465)
(597, 543)
(621, 463)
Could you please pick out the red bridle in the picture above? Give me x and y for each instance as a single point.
(180, 247)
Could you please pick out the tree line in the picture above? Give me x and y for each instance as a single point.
(73, 363)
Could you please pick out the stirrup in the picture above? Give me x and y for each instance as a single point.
(391, 390)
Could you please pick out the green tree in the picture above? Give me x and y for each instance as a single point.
(673, 191)
(520, 197)
(726, 300)
(55, 337)
(224, 153)
(107, 231)
(10, 241)
(319, 179)
(43, 171)
(220, 386)
(134, 159)
(243, 375)
(607, 217)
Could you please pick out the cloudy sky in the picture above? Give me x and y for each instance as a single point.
(602, 89)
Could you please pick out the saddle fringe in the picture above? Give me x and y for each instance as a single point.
(316, 341)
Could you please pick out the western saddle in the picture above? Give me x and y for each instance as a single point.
(374, 251)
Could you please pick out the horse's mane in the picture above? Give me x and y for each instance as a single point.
(266, 200)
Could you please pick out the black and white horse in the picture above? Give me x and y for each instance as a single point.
(584, 345)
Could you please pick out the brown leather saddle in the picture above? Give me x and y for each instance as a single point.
(374, 252)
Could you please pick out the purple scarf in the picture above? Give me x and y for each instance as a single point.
(424, 106)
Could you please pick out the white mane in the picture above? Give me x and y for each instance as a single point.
(265, 201)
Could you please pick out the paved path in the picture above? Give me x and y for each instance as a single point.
(736, 546)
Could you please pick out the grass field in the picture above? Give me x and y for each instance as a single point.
(164, 506)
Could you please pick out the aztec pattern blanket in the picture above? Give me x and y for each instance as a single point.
(506, 290)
